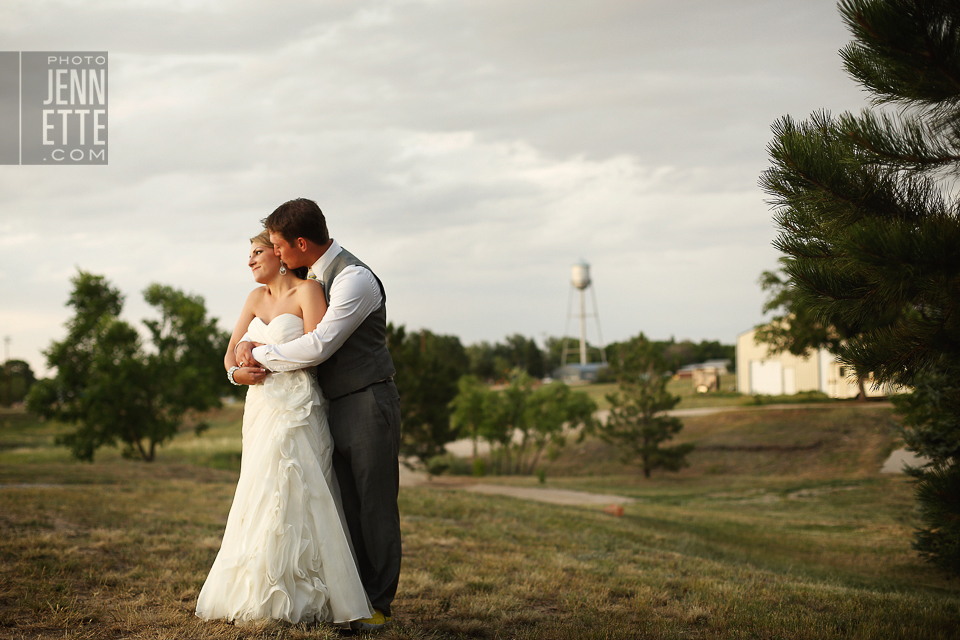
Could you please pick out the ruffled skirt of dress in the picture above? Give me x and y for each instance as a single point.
(286, 553)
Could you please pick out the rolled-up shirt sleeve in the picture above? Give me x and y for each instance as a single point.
(354, 296)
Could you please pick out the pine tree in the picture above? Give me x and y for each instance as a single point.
(637, 422)
(798, 330)
(869, 221)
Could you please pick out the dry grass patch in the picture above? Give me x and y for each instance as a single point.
(120, 549)
(101, 561)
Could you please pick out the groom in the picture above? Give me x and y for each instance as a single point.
(355, 372)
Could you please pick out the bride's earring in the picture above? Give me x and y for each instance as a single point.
(283, 269)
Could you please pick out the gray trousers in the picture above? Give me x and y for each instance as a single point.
(366, 437)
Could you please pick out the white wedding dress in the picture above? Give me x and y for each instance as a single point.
(285, 553)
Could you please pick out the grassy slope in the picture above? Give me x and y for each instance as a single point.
(689, 398)
(809, 543)
(817, 441)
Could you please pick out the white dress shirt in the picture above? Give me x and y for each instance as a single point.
(354, 296)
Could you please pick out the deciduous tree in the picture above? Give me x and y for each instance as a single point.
(522, 420)
(428, 367)
(112, 388)
(17, 379)
(469, 415)
(553, 410)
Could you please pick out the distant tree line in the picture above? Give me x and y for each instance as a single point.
(116, 390)
(672, 355)
(495, 362)
(445, 391)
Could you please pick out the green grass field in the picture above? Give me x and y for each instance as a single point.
(782, 527)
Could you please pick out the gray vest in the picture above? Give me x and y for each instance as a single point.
(363, 359)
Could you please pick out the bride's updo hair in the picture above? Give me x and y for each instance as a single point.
(263, 239)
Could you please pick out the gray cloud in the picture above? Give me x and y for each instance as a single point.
(469, 151)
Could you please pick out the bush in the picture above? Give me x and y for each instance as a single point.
(449, 464)
(479, 467)
(797, 398)
(930, 427)
(938, 499)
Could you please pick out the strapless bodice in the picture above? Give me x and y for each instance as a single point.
(284, 328)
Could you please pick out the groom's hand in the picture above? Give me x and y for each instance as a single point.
(244, 353)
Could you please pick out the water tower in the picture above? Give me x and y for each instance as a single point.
(580, 281)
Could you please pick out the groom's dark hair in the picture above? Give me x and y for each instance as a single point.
(300, 218)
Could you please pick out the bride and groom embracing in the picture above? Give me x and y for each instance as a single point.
(313, 534)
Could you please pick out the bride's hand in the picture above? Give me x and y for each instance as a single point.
(244, 352)
(250, 375)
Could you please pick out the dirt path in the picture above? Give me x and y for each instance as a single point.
(901, 457)
(554, 496)
(410, 478)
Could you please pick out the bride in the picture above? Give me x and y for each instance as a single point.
(285, 553)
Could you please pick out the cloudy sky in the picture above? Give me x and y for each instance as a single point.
(469, 151)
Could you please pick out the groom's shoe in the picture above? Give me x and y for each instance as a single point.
(374, 623)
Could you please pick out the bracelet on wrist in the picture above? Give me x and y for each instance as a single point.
(230, 373)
